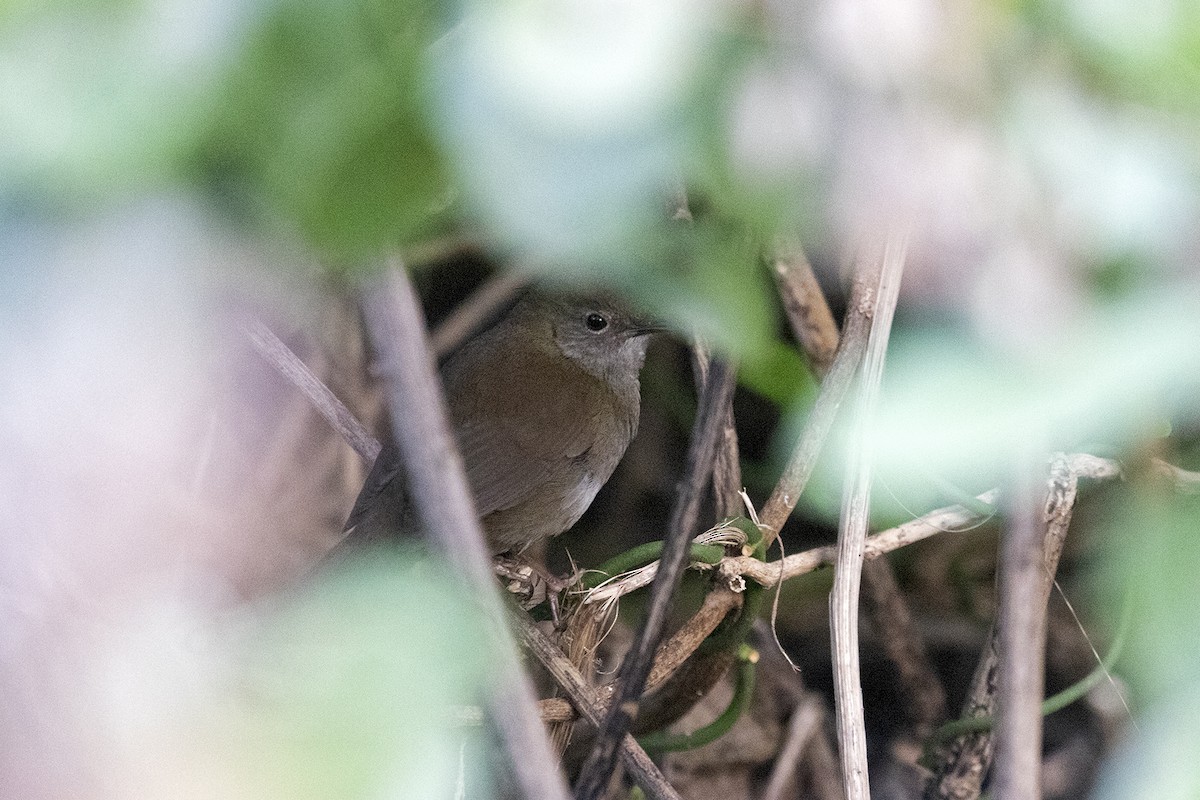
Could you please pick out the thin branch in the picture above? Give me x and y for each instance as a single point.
(852, 535)
(683, 643)
(963, 763)
(443, 501)
(473, 313)
(1185, 481)
(727, 468)
(815, 329)
(585, 700)
(322, 399)
(807, 310)
(805, 721)
(820, 420)
(950, 519)
(631, 677)
(923, 693)
(818, 763)
(1022, 628)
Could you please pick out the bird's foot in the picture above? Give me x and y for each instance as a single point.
(532, 584)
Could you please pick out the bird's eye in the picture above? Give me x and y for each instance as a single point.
(595, 322)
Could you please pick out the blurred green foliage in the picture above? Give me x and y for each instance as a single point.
(1152, 542)
(352, 688)
(321, 119)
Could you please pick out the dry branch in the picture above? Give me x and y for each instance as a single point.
(805, 721)
(473, 313)
(923, 693)
(324, 401)
(1021, 625)
(807, 311)
(943, 520)
(586, 701)
(820, 420)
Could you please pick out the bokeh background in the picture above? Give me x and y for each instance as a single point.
(169, 170)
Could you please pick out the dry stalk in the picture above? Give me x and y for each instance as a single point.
(834, 388)
(852, 533)
(804, 303)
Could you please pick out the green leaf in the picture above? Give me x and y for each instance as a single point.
(321, 122)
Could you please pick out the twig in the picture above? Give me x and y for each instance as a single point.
(852, 535)
(804, 722)
(819, 762)
(1185, 481)
(963, 763)
(820, 420)
(671, 655)
(443, 501)
(923, 693)
(717, 605)
(807, 311)
(322, 399)
(727, 469)
(631, 677)
(1022, 629)
(474, 312)
(949, 519)
(584, 698)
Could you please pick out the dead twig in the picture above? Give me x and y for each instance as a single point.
(443, 500)
(820, 420)
(1022, 630)
(679, 648)
(585, 700)
(943, 520)
(727, 468)
(472, 314)
(815, 329)
(807, 311)
(806, 719)
(817, 762)
(325, 402)
(923, 693)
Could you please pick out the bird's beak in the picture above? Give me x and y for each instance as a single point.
(644, 327)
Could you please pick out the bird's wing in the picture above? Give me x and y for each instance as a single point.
(517, 435)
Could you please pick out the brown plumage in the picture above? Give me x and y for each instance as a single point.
(544, 404)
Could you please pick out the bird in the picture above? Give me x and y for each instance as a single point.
(543, 405)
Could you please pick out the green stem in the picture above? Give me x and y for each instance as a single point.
(662, 741)
(644, 554)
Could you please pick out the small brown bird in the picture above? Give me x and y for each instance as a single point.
(544, 404)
